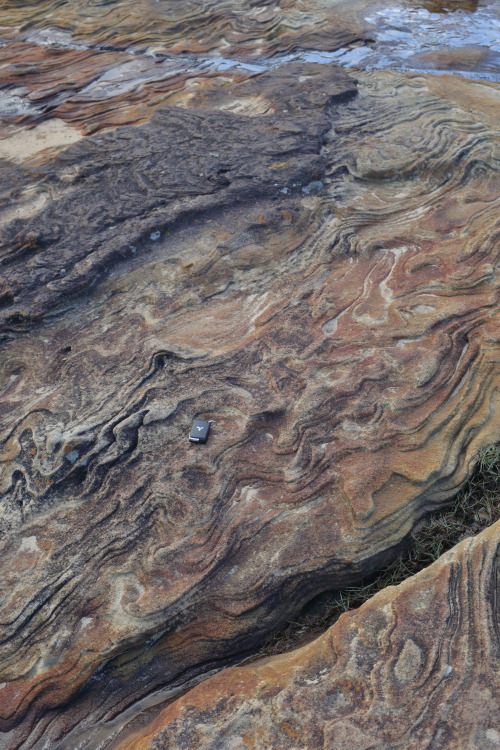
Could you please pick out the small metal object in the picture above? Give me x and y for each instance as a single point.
(199, 430)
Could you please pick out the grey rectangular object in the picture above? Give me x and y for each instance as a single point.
(199, 431)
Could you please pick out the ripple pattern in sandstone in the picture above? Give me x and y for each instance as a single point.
(102, 65)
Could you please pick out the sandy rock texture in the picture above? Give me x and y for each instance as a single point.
(311, 261)
(417, 667)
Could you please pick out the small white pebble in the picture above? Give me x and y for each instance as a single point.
(493, 736)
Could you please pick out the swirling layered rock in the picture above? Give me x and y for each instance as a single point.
(317, 271)
(196, 26)
(84, 90)
(417, 666)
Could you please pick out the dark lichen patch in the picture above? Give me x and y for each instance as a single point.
(473, 509)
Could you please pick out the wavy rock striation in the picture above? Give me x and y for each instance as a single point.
(88, 90)
(417, 666)
(103, 65)
(315, 268)
(196, 26)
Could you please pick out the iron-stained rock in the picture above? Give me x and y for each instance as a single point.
(416, 666)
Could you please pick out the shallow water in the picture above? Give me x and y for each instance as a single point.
(399, 29)
(463, 41)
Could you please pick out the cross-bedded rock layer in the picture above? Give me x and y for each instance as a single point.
(417, 667)
(315, 269)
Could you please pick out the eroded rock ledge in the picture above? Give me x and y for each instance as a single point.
(417, 666)
(318, 272)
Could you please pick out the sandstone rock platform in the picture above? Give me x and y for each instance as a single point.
(308, 258)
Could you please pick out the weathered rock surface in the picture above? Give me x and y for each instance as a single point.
(315, 269)
(417, 666)
(120, 188)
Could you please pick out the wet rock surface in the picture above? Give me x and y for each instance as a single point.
(81, 69)
(308, 257)
(416, 666)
